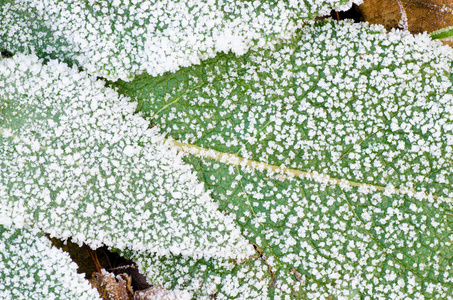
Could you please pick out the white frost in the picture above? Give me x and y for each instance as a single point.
(104, 178)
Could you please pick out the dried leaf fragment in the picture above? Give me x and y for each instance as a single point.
(113, 287)
(138, 280)
(426, 15)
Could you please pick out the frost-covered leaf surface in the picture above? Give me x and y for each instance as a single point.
(159, 293)
(76, 162)
(205, 279)
(30, 268)
(116, 39)
(333, 151)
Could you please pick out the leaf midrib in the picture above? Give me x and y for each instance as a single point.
(277, 172)
(282, 173)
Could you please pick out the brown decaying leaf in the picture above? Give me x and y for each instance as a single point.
(118, 286)
(113, 287)
(423, 15)
(139, 281)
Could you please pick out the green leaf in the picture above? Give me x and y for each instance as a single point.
(224, 279)
(334, 153)
(444, 33)
(118, 39)
(32, 269)
(77, 163)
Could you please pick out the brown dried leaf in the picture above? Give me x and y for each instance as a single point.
(113, 287)
(424, 15)
(139, 281)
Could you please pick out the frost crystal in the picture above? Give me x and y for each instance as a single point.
(78, 163)
(224, 279)
(30, 268)
(333, 151)
(121, 38)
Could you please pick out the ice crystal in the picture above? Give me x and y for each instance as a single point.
(30, 268)
(333, 151)
(329, 148)
(116, 39)
(204, 278)
(78, 163)
(159, 293)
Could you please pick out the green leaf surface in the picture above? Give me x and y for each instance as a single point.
(333, 152)
(117, 39)
(32, 269)
(444, 33)
(205, 279)
(76, 162)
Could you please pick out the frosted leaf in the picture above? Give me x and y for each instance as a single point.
(159, 293)
(121, 38)
(30, 268)
(333, 151)
(205, 279)
(78, 163)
